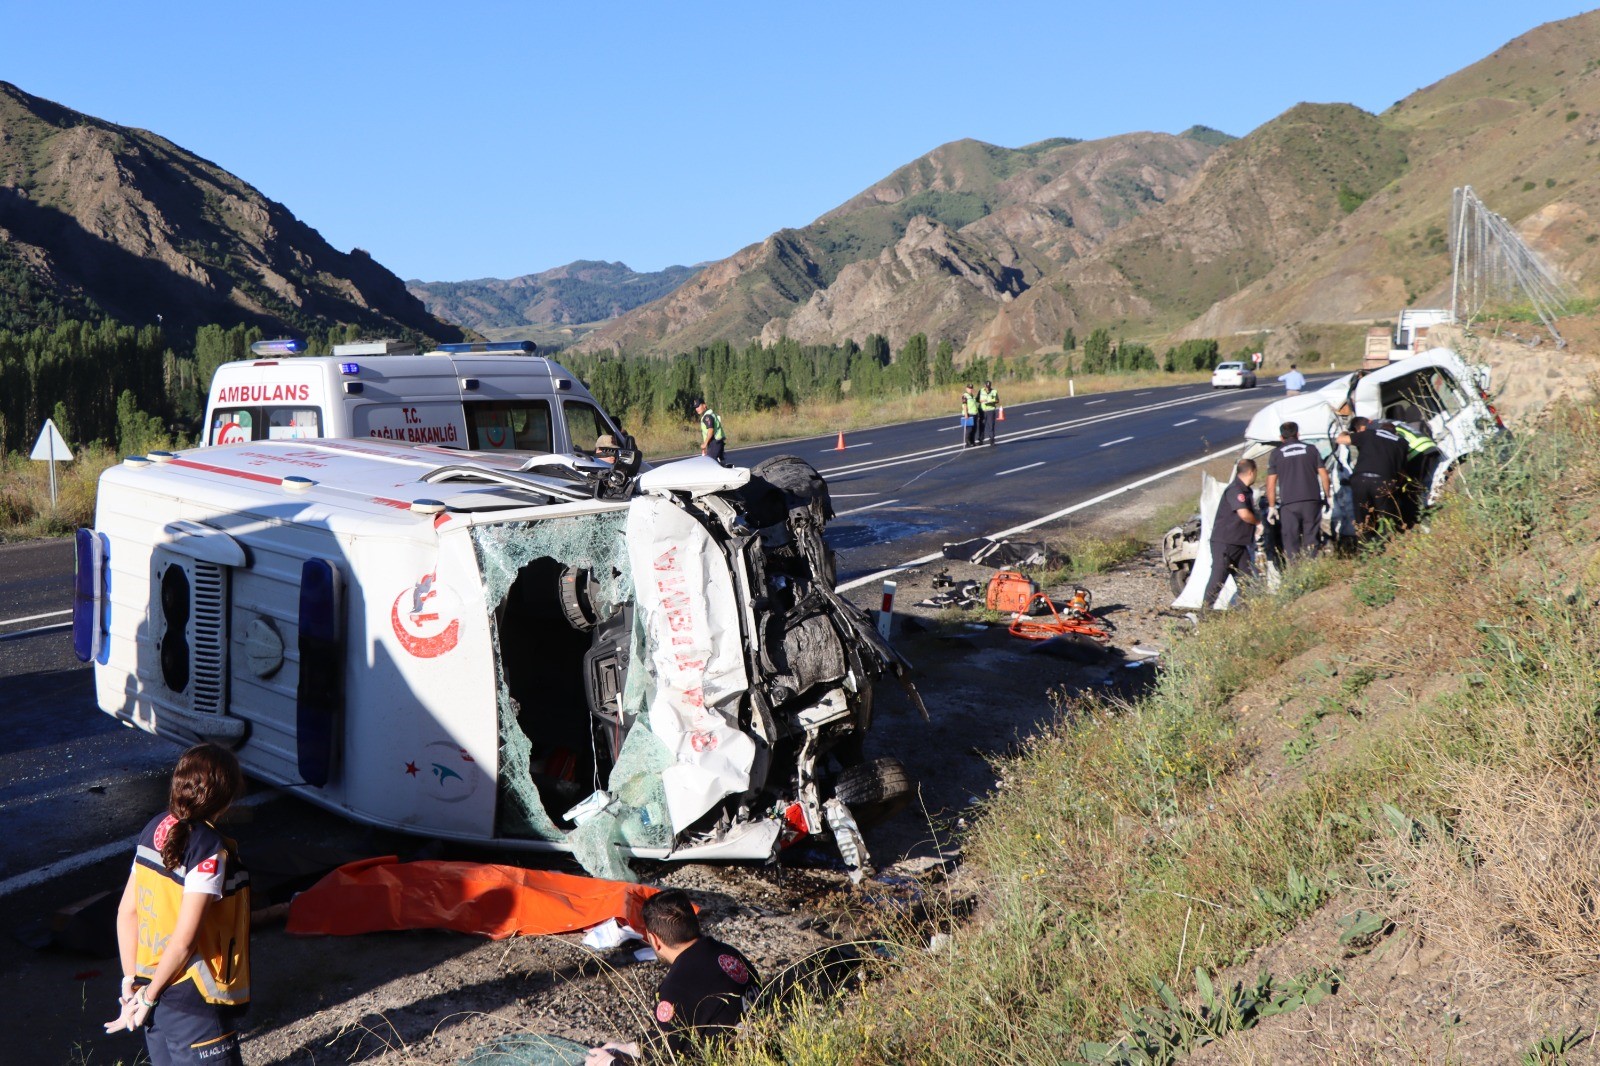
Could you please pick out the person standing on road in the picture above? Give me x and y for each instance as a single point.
(969, 416)
(1294, 382)
(1233, 531)
(988, 410)
(1375, 484)
(707, 990)
(1297, 492)
(712, 439)
(183, 927)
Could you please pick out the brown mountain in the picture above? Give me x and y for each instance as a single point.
(97, 218)
(953, 234)
(583, 291)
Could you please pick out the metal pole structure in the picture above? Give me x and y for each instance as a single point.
(51, 441)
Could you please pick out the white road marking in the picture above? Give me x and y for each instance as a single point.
(1017, 469)
(868, 507)
(1230, 410)
(947, 429)
(1046, 520)
(1031, 414)
(852, 495)
(1185, 422)
(35, 631)
(33, 617)
(1119, 440)
(1146, 392)
(847, 447)
(105, 851)
(1090, 403)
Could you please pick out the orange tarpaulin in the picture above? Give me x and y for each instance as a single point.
(471, 897)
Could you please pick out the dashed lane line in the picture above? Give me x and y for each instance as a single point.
(33, 617)
(1091, 403)
(1185, 422)
(868, 507)
(1019, 469)
(1119, 440)
(19, 634)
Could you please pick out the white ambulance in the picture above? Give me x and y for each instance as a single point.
(527, 650)
(480, 397)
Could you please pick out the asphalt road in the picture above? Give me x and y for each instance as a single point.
(74, 784)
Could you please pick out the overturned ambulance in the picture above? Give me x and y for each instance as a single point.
(527, 650)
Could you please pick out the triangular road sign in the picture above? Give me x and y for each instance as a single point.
(51, 444)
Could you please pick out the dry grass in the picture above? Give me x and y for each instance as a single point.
(25, 510)
(1515, 888)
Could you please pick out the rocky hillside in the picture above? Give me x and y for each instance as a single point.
(959, 232)
(1326, 214)
(100, 219)
(582, 291)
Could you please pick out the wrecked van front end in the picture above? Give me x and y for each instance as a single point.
(482, 648)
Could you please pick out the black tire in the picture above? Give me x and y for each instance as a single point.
(1179, 577)
(874, 791)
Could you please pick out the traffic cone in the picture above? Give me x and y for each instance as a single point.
(840, 446)
(1001, 417)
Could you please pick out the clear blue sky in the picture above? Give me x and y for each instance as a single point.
(469, 139)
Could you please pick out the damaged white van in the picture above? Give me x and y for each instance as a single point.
(527, 650)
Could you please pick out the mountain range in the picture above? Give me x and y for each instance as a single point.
(98, 219)
(584, 291)
(1325, 214)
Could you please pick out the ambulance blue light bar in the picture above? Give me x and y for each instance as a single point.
(349, 368)
(281, 346)
(491, 348)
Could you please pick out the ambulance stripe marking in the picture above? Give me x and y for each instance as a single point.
(210, 469)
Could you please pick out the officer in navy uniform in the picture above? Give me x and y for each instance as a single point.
(1233, 531)
(1297, 491)
(1376, 484)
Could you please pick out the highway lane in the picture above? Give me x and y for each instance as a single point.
(72, 779)
(903, 491)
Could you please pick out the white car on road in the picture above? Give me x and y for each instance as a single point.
(1233, 376)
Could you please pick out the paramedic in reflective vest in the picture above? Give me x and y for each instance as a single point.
(1422, 461)
(712, 438)
(707, 990)
(969, 415)
(1375, 485)
(1297, 491)
(988, 409)
(183, 927)
(1233, 530)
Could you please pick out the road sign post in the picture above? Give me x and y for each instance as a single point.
(51, 447)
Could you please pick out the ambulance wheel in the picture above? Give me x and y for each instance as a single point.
(874, 791)
(1179, 577)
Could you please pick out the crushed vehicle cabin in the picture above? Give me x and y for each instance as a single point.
(533, 651)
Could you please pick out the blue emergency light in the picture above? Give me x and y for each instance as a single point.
(319, 696)
(491, 348)
(281, 346)
(349, 368)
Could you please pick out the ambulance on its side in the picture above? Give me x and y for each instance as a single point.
(477, 397)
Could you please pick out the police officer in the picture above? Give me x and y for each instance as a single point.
(988, 409)
(712, 439)
(1375, 485)
(1233, 531)
(1297, 491)
(970, 415)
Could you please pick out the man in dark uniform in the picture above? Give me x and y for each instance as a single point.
(1233, 531)
(1297, 490)
(1375, 485)
(708, 987)
(971, 417)
(988, 411)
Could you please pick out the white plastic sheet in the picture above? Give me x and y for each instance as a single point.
(1194, 590)
(685, 596)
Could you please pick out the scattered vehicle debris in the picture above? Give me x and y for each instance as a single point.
(1003, 552)
(533, 651)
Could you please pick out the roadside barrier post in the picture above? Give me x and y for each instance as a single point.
(886, 615)
(1070, 390)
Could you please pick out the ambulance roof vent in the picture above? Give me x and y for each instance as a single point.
(297, 484)
(162, 457)
(427, 506)
(138, 462)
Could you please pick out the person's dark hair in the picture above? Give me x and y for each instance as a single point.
(670, 916)
(1246, 466)
(1359, 423)
(205, 781)
(1291, 366)
(1289, 431)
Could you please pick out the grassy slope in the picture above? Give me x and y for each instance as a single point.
(1214, 815)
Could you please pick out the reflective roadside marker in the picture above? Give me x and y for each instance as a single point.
(886, 615)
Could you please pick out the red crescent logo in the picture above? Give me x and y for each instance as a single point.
(232, 433)
(496, 436)
(664, 1011)
(423, 647)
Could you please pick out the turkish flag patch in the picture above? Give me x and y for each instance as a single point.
(207, 867)
(1241, 497)
(734, 968)
(664, 1011)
